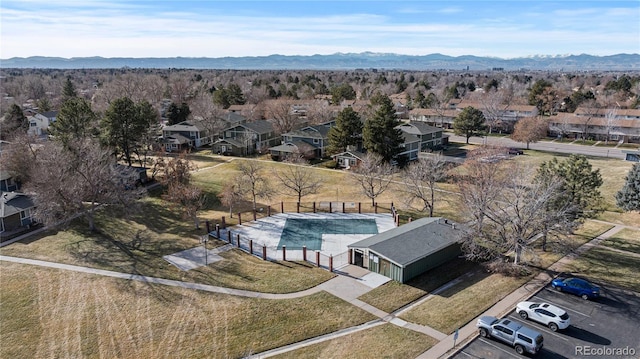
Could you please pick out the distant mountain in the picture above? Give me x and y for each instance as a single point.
(341, 61)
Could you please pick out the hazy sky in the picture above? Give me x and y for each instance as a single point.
(212, 28)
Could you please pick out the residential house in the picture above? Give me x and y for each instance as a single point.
(184, 135)
(7, 182)
(410, 148)
(348, 159)
(434, 117)
(15, 212)
(39, 122)
(407, 251)
(309, 142)
(506, 117)
(620, 125)
(430, 136)
(247, 138)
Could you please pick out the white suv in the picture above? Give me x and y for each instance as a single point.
(545, 313)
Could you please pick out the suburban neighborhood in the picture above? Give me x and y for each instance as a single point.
(282, 179)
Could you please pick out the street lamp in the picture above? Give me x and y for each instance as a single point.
(204, 239)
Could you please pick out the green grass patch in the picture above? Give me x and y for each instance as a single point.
(606, 266)
(626, 240)
(54, 313)
(386, 341)
(394, 295)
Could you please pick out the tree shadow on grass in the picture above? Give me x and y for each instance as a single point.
(466, 273)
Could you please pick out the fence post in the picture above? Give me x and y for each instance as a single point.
(229, 235)
(343, 208)
(217, 231)
(251, 246)
(304, 253)
(314, 207)
(240, 218)
(208, 226)
(224, 224)
(359, 207)
(318, 258)
(264, 252)
(255, 218)
(330, 210)
(284, 252)
(238, 239)
(298, 207)
(269, 211)
(375, 208)
(331, 263)
(350, 255)
(281, 207)
(409, 220)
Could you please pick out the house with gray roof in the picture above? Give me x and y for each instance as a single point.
(430, 136)
(247, 138)
(309, 142)
(15, 212)
(184, 135)
(409, 250)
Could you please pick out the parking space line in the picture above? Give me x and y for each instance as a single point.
(544, 329)
(497, 347)
(467, 354)
(561, 306)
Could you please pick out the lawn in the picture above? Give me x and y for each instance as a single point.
(606, 266)
(61, 314)
(386, 341)
(136, 245)
(627, 240)
(394, 295)
(459, 304)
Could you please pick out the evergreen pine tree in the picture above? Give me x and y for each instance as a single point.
(380, 135)
(628, 198)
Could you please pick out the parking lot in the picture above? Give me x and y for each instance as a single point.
(608, 323)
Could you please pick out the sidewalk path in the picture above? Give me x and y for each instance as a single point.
(444, 348)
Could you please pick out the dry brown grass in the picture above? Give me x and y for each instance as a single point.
(393, 295)
(160, 233)
(604, 266)
(51, 313)
(459, 304)
(383, 341)
(625, 240)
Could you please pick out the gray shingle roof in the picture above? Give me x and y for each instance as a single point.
(183, 127)
(410, 242)
(13, 202)
(260, 126)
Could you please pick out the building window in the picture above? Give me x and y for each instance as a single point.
(316, 141)
(25, 214)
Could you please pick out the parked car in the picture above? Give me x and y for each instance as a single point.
(514, 151)
(545, 313)
(577, 286)
(522, 338)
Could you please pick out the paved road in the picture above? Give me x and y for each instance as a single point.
(550, 146)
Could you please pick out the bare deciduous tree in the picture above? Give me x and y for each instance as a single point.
(65, 184)
(251, 181)
(530, 129)
(298, 179)
(230, 195)
(279, 111)
(515, 213)
(421, 178)
(188, 199)
(373, 176)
